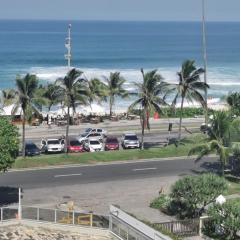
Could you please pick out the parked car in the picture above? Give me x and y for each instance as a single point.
(205, 128)
(93, 145)
(111, 143)
(96, 130)
(130, 140)
(75, 146)
(31, 149)
(85, 136)
(52, 145)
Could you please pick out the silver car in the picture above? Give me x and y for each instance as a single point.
(86, 136)
(130, 140)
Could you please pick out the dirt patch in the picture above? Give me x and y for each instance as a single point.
(21, 232)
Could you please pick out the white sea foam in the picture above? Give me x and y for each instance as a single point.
(216, 76)
(221, 80)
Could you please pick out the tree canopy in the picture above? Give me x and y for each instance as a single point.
(9, 144)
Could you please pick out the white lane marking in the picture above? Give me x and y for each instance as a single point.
(68, 175)
(143, 169)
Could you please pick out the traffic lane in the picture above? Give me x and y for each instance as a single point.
(40, 135)
(99, 173)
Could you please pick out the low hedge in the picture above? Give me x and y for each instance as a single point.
(186, 112)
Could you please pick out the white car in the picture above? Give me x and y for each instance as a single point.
(130, 140)
(93, 145)
(96, 130)
(52, 145)
(85, 136)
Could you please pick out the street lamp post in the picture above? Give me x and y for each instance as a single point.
(204, 48)
(68, 55)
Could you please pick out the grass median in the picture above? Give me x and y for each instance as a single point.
(110, 156)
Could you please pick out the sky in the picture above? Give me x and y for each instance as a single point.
(123, 10)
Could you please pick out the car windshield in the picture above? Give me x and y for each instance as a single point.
(94, 142)
(131, 137)
(88, 130)
(75, 143)
(112, 140)
(84, 134)
(31, 146)
(53, 142)
(94, 135)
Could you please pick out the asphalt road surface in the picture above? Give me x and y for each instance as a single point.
(67, 176)
(158, 134)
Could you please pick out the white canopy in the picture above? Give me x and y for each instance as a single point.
(7, 111)
(85, 110)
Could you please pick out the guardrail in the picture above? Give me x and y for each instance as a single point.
(126, 227)
(54, 216)
(181, 228)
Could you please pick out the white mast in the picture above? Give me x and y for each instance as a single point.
(204, 56)
(68, 55)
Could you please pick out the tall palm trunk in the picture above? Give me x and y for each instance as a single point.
(111, 105)
(222, 166)
(143, 128)
(67, 129)
(180, 122)
(23, 135)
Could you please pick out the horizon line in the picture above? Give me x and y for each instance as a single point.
(115, 20)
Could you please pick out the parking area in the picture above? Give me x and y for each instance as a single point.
(157, 137)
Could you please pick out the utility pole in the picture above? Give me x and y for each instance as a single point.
(204, 48)
(68, 55)
(19, 204)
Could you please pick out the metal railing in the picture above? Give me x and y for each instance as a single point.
(8, 213)
(182, 228)
(125, 231)
(54, 216)
(127, 227)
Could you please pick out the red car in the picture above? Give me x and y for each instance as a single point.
(111, 143)
(75, 146)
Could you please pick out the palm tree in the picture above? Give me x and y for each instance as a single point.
(219, 139)
(233, 100)
(53, 95)
(7, 97)
(114, 87)
(72, 88)
(149, 99)
(189, 87)
(97, 90)
(26, 100)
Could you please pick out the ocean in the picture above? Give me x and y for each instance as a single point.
(100, 47)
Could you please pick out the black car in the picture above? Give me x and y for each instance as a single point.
(31, 149)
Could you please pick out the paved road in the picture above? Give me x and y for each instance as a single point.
(158, 129)
(68, 176)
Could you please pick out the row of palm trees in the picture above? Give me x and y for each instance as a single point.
(152, 93)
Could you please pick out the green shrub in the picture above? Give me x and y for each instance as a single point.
(224, 221)
(187, 112)
(162, 202)
(9, 144)
(192, 194)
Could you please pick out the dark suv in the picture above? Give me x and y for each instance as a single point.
(31, 149)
